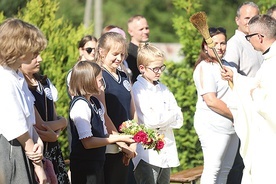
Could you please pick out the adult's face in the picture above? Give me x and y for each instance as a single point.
(246, 13)
(88, 51)
(220, 46)
(255, 38)
(139, 31)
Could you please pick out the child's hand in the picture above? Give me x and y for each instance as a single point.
(48, 134)
(40, 173)
(122, 138)
(36, 155)
(125, 160)
(127, 138)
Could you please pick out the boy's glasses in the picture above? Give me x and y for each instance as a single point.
(89, 49)
(157, 69)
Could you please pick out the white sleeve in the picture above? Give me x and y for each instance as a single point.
(54, 91)
(157, 109)
(81, 116)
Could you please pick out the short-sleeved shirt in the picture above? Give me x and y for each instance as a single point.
(207, 78)
(17, 105)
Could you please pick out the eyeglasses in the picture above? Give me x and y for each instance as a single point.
(89, 49)
(157, 69)
(213, 30)
(247, 37)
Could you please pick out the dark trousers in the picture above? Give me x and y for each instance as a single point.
(115, 172)
(131, 178)
(235, 174)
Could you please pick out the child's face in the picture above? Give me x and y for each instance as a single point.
(114, 58)
(153, 70)
(100, 82)
(27, 58)
(33, 67)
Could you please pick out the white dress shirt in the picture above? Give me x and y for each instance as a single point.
(156, 107)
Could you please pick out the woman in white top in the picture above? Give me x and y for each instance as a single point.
(213, 120)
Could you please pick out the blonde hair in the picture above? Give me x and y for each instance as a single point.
(18, 38)
(108, 41)
(83, 79)
(147, 53)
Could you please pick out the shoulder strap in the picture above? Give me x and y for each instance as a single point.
(96, 101)
(76, 98)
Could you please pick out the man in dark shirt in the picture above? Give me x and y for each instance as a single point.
(138, 30)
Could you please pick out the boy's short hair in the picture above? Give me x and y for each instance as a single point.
(147, 53)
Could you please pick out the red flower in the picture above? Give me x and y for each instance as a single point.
(141, 136)
(159, 145)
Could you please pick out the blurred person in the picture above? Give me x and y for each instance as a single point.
(86, 47)
(138, 30)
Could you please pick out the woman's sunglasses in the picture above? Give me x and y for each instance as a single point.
(213, 30)
(89, 49)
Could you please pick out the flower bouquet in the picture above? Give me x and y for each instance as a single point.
(149, 138)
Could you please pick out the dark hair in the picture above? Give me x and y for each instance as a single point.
(107, 28)
(271, 10)
(86, 39)
(203, 55)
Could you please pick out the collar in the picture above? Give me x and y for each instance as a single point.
(267, 50)
(148, 84)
